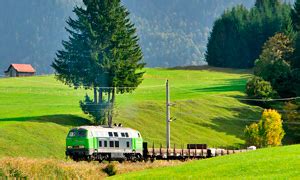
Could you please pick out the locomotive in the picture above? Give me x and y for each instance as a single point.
(99, 143)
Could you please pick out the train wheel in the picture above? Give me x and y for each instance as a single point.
(121, 161)
(89, 159)
(139, 158)
(146, 160)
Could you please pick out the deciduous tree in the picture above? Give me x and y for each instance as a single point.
(273, 66)
(267, 132)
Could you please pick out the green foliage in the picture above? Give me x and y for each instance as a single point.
(102, 51)
(258, 88)
(237, 37)
(292, 117)
(296, 80)
(272, 64)
(252, 134)
(96, 111)
(295, 60)
(295, 15)
(227, 41)
(110, 169)
(267, 132)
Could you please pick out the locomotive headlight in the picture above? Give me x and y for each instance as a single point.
(69, 147)
(81, 147)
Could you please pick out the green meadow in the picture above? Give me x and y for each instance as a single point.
(272, 163)
(37, 112)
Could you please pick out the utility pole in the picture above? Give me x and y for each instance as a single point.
(168, 119)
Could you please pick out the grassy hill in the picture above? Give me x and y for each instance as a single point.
(273, 163)
(37, 112)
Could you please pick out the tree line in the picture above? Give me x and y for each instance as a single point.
(238, 35)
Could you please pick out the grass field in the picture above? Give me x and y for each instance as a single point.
(273, 163)
(37, 112)
(29, 168)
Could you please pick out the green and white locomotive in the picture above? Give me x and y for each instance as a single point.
(104, 143)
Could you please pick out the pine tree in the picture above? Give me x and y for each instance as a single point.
(102, 51)
(295, 15)
(238, 36)
(263, 4)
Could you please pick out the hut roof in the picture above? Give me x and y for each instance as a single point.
(24, 68)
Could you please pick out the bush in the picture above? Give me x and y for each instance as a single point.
(252, 135)
(292, 116)
(273, 66)
(110, 169)
(258, 88)
(267, 132)
(296, 81)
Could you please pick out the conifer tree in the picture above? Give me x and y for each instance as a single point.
(295, 15)
(262, 4)
(102, 53)
(238, 36)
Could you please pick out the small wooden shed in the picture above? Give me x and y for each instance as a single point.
(20, 70)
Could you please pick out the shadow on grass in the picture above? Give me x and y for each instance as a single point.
(213, 69)
(230, 85)
(61, 119)
(236, 124)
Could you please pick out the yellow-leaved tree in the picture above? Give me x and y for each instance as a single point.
(267, 132)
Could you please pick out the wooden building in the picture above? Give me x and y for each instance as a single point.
(20, 70)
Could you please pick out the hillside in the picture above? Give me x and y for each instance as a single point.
(273, 163)
(37, 112)
(170, 35)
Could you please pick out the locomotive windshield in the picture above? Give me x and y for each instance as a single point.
(72, 134)
(78, 133)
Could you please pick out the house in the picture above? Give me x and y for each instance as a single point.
(20, 70)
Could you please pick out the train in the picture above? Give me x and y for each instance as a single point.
(99, 143)
(117, 143)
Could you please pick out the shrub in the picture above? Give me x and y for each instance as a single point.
(296, 81)
(267, 132)
(292, 116)
(252, 135)
(110, 169)
(258, 88)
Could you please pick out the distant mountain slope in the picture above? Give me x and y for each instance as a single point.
(173, 32)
